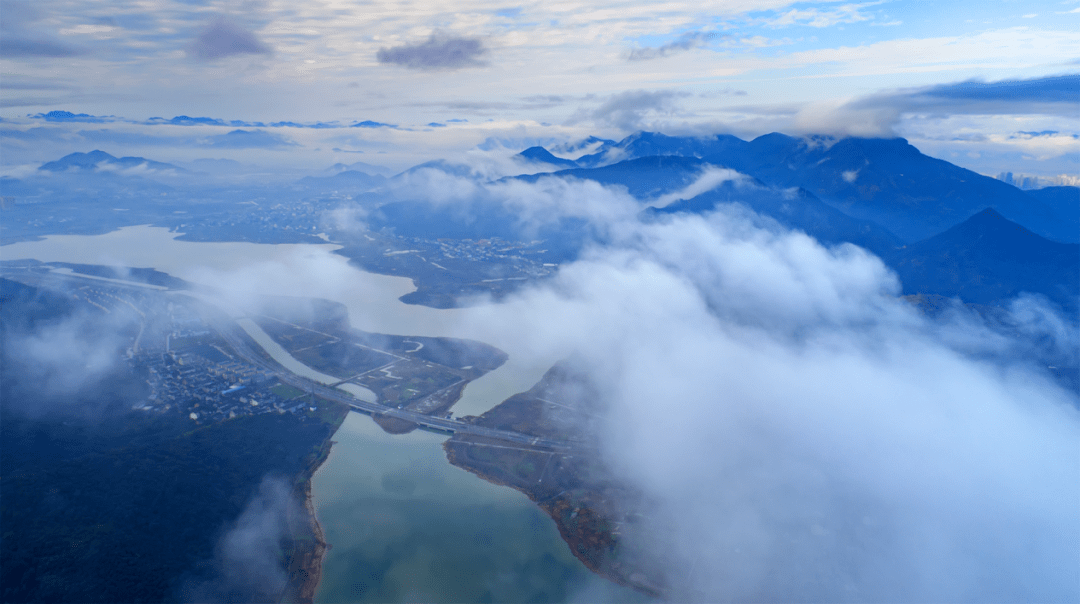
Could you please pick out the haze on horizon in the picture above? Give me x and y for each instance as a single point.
(820, 439)
(395, 84)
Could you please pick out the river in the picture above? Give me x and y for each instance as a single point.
(404, 525)
(243, 271)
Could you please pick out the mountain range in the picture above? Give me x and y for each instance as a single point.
(945, 230)
(886, 181)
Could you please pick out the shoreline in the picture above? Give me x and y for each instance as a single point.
(314, 559)
(305, 571)
(580, 542)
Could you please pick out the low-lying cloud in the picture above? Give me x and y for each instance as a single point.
(802, 433)
(798, 431)
(248, 139)
(629, 111)
(247, 562)
(439, 52)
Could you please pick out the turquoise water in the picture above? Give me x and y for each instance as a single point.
(406, 526)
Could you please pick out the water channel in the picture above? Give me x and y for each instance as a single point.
(404, 525)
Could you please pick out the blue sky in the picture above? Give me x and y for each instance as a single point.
(529, 71)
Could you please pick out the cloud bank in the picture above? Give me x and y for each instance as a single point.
(248, 139)
(797, 431)
(881, 114)
(23, 38)
(802, 434)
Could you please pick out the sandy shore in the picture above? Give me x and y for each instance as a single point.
(313, 560)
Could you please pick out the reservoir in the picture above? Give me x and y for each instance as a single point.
(404, 525)
(242, 271)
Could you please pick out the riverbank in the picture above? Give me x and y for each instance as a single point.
(304, 564)
(311, 563)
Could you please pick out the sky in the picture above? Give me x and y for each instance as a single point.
(397, 83)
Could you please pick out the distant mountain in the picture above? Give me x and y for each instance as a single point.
(1063, 201)
(347, 180)
(717, 149)
(886, 181)
(362, 167)
(217, 166)
(441, 165)
(795, 209)
(582, 147)
(892, 183)
(97, 160)
(988, 259)
(542, 155)
(643, 177)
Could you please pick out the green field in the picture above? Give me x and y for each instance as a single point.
(286, 392)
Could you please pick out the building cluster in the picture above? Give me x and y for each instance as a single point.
(208, 391)
(264, 224)
(484, 250)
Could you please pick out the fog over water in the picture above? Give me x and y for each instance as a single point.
(797, 431)
(243, 271)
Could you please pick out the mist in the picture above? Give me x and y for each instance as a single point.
(247, 561)
(63, 357)
(799, 431)
(796, 430)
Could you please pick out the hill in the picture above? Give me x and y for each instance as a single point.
(988, 259)
(99, 160)
(795, 209)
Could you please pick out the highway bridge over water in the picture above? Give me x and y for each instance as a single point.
(441, 424)
(236, 338)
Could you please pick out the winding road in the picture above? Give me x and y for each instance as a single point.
(241, 346)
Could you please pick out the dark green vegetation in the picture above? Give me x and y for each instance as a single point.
(105, 504)
(131, 510)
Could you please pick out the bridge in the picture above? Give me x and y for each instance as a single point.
(441, 424)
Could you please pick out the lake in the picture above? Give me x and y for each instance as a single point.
(243, 271)
(406, 526)
(403, 523)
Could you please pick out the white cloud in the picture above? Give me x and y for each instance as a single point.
(813, 17)
(801, 433)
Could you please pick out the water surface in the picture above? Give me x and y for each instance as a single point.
(406, 526)
(242, 271)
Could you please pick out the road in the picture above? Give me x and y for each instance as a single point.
(240, 345)
(237, 339)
